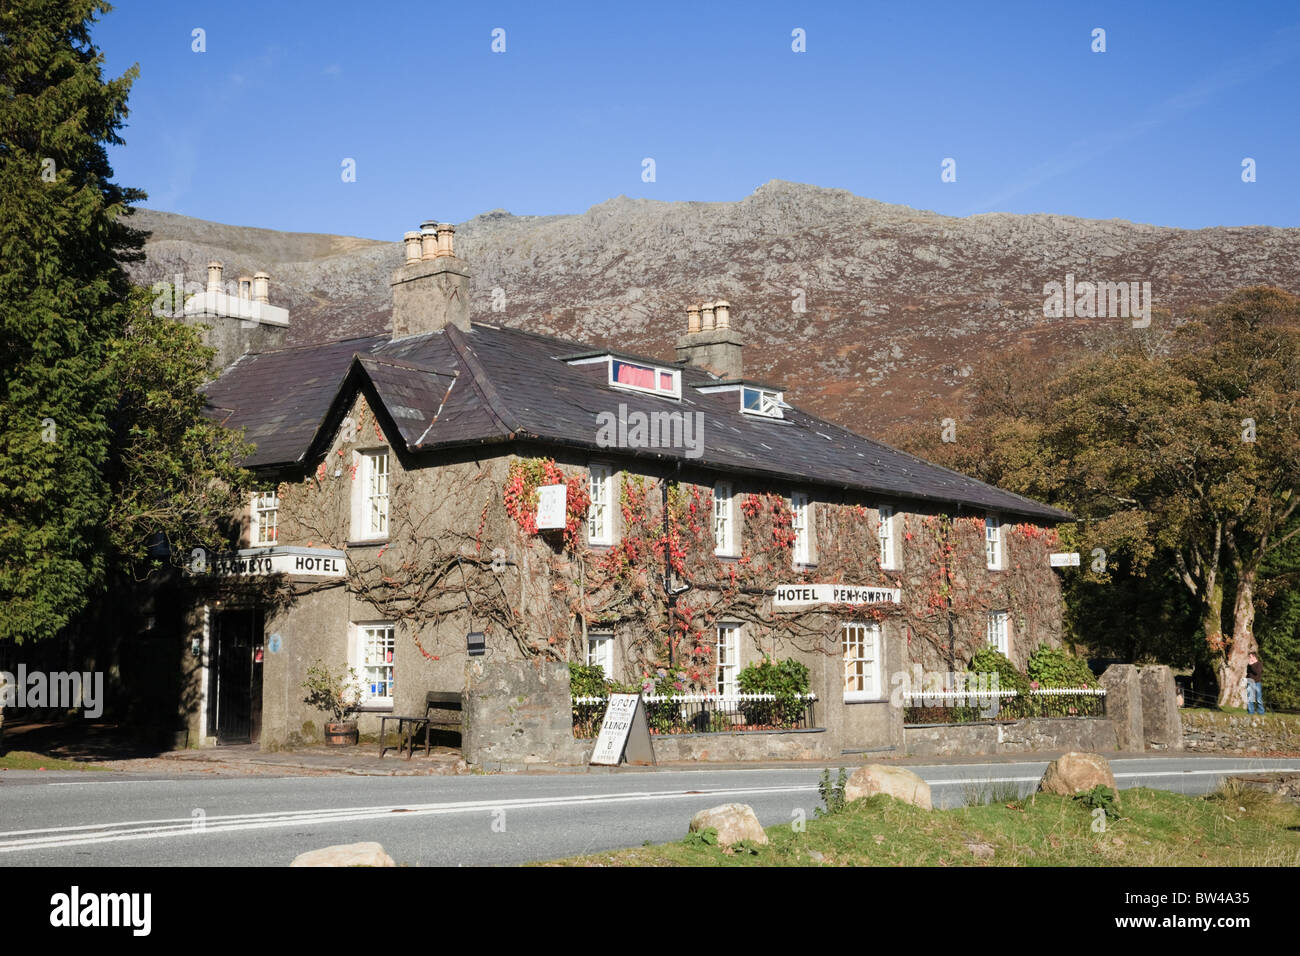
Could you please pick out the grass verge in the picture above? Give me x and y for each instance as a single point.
(1155, 828)
(26, 760)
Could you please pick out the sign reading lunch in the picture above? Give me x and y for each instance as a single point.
(802, 595)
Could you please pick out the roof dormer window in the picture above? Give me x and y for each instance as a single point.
(762, 401)
(645, 378)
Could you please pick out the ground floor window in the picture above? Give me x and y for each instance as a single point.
(861, 643)
(728, 659)
(376, 672)
(600, 648)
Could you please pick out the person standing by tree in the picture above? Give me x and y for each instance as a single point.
(1254, 684)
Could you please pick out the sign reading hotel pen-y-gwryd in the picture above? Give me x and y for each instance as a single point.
(801, 595)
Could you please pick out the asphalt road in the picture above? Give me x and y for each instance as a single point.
(82, 819)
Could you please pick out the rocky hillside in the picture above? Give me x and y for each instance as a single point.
(900, 305)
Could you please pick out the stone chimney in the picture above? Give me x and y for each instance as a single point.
(431, 287)
(238, 321)
(710, 342)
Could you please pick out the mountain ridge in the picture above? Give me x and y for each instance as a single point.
(901, 304)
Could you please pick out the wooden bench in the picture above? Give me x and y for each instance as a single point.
(408, 727)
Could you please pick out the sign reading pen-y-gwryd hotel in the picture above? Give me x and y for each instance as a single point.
(802, 595)
(261, 562)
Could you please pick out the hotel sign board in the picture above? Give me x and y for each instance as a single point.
(551, 504)
(790, 596)
(264, 562)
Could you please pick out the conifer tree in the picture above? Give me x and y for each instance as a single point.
(63, 294)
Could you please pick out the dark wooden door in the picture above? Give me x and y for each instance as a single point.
(238, 638)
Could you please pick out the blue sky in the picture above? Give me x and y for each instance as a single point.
(254, 130)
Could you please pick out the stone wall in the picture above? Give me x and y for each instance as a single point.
(1091, 734)
(1207, 731)
(519, 714)
(752, 745)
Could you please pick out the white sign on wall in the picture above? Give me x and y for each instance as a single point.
(261, 562)
(1066, 560)
(801, 595)
(551, 502)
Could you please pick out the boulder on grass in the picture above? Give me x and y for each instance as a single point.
(1074, 772)
(895, 782)
(733, 821)
(346, 854)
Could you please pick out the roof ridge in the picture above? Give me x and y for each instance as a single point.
(478, 376)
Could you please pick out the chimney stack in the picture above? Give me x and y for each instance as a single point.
(692, 319)
(430, 291)
(261, 287)
(710, 342)
(245, 287)
(412, 241)
(214, 276)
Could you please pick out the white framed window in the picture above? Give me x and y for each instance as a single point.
(724, 519)
(762, 401)
(370, 495)
(862, 651)
(600, 652)
(376, 648)
(645, 378)
(886, 534)
(728, 669)
(999, 636)
(993, 542)
(801, 524)
(265, 518)
(600, 515)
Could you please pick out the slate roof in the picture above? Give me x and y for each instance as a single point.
(451, 388)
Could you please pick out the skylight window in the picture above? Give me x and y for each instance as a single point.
(645, 378)
(761, 401)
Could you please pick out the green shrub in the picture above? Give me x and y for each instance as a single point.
(1102, 797)
(588, 680)
(988, 660)
(1053, 667)
(832, 794)
(787, 680)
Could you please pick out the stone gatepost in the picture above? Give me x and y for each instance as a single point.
(519, 713)
(1124, 705)
(1162, 726)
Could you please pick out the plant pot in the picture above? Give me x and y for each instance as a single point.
(341, 735)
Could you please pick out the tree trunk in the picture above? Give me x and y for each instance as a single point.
(1232, 668)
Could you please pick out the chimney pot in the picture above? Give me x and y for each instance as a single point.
(706, 317)
(692, 319)
(722, 313)
(214, 276)
(261, 287)
(446, 231)
(411, 242)
(428, 240)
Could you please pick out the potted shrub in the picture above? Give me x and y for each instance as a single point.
(339, 696)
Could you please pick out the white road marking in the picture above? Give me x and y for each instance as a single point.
(184, 826)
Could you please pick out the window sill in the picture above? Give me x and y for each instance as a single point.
(377, 707)
(367, 543)
(866, 700)
(727, 556)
